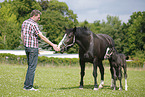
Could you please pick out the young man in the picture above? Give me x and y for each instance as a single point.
(29, 35)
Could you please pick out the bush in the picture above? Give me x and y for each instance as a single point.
(135, 64)
(43, 60)
(139, 56)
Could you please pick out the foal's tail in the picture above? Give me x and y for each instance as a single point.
(126, 57)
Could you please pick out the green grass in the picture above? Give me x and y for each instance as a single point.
(64, 82)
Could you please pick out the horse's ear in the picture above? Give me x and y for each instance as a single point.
(74, 30)
(64, 27)
(85, 27)
(114, 50)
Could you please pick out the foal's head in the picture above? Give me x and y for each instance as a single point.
(109, 52)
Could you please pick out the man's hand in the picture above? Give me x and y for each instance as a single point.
(55, 47)
(49, 42)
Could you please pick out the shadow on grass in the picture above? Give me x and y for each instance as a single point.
(105, 87)
(85, 87)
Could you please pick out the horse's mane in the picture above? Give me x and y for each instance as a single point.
(85, 30)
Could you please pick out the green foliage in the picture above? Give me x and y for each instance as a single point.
(113, 28)
(55, 16)
(96, 26)
(8, 21)
(10, 36)
(136, 33)
(139, 56)
(42, 60)
(12, 14)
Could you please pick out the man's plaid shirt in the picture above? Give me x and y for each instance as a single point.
(30, 33)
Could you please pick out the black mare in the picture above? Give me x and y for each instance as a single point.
(118, 61)
(92, 48)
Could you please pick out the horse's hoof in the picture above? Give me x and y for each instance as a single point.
(100, 86)
(120, 89)
(80, 88)
(95, 89)
(112, 87)
(125, 89)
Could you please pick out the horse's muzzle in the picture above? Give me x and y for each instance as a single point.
(62, 49)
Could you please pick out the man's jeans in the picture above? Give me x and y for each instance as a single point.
(32, 58)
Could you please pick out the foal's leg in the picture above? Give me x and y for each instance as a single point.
(102, 75)
(112, 76)
(95, 74)
(111, 70)
(82, 65)
(120, 77)
(125, 75)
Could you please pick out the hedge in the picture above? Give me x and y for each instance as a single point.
(43, 60)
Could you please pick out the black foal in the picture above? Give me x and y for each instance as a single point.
(117, 62)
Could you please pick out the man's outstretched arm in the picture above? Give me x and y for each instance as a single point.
(49, 42)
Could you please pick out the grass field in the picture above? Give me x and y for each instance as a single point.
(64, 82)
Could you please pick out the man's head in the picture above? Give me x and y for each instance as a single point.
(35, 15)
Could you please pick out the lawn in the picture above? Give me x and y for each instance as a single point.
(64, 82)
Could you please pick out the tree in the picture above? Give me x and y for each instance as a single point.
(9, 33)
(55, 18)
(136, 33)
(96, 26)
(12, 14)
(113, 28)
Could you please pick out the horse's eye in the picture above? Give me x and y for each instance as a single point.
(69, 36)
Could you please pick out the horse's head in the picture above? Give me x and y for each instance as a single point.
(68, 40)
(71, 36)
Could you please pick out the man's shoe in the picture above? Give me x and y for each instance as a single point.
(32, 89)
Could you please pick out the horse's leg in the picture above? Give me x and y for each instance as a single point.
(114, 77)
(120, 77)
(82, 65)
(125, 75)
(102, 74)
(95, 74)
(112, 83)
(120, 88)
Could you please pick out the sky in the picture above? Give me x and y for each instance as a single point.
(92, 10)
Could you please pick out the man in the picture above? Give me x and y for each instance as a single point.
(29, 35)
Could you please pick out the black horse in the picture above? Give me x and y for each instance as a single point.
(92, 48)
(118, 61)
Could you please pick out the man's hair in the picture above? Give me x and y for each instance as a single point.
(35, 12)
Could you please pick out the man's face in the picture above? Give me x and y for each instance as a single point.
(37, 18)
